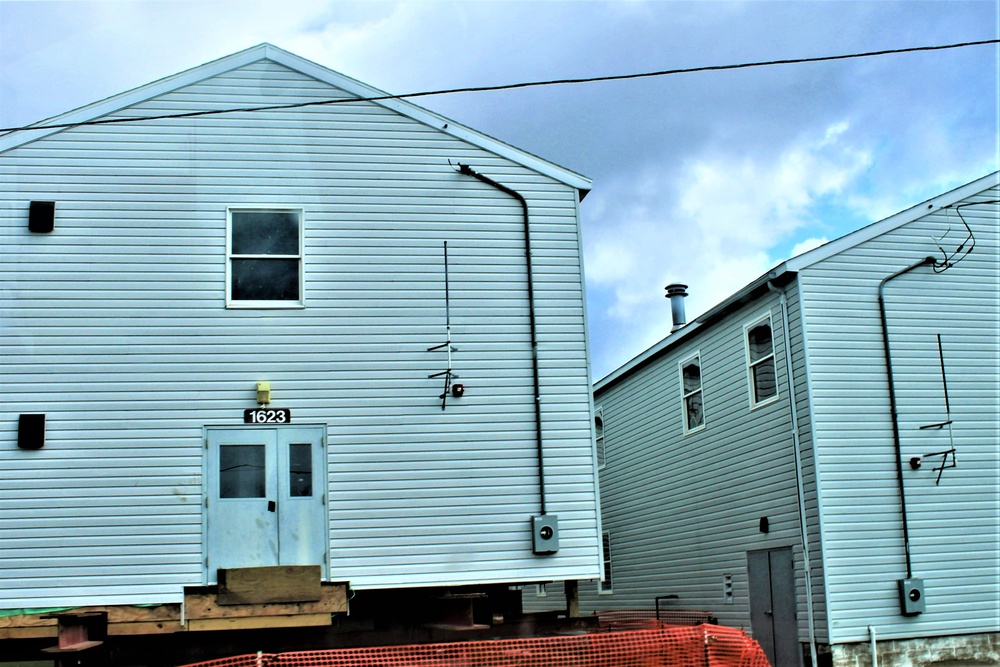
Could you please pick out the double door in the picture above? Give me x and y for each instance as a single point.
(771, 576)
(265, 498)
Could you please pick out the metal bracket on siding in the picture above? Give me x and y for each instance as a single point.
(944, 462)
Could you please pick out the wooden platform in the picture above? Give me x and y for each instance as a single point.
(202, 611)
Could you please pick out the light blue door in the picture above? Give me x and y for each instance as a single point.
(265, 498)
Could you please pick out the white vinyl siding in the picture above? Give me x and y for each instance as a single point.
(952, 525)
(685, 508)
(115, 326)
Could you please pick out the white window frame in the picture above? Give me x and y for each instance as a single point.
(265, 304)
(685, 394)
(754, 403)
(606, 585)
(600, 444)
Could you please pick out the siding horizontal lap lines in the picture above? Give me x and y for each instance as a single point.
(952, 524)
(379, 198)
(683, 509)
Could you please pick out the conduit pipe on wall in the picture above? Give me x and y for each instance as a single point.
(797, 449)
(926, 261)
(469, 171)
(871, 634)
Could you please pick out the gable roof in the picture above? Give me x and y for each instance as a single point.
(787, 270)
(869, 232)
(270, 52)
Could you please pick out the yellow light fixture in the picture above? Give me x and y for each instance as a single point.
(263, 393)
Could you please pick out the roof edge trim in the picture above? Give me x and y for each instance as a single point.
(788, 270)
(737, 300)
(309, 68)
(880, 227)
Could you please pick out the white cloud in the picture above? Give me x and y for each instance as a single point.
(807, 245)
(706, 179)
(714, 226)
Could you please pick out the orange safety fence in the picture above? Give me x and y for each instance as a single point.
(663, 646)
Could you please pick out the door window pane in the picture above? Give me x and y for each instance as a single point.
(300, 470)
(242, 471)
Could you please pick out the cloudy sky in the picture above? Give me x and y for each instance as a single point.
(707, 179)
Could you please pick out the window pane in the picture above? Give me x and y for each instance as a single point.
(265, 279)
(759, 342)
(599, 438)
(241, 471)
(692, 377)
(607, 584)
(265, 232)
(764, 383)
(300, 470)
(695, 414)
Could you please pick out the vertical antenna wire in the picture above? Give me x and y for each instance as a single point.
(947, 414)
(447, 327)
(944, 380)
(447, 373)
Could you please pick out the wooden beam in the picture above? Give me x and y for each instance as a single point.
(201, 604)
(259, 585)
(259, 622)
(37, 632)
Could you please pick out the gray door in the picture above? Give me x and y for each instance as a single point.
(772, 605)
(265, 498)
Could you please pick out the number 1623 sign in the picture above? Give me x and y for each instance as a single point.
(267, 416)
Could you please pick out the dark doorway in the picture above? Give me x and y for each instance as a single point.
(771, 576)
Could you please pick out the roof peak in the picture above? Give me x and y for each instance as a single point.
(309, 68)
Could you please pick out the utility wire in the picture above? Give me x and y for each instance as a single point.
(509, 86)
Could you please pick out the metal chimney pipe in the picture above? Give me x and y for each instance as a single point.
(676, 293)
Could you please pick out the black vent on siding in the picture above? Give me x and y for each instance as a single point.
(31, 431)
(42, 217)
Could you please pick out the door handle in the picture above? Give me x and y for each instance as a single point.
(272, 506)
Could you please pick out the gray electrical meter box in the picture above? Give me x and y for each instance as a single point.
(911, 597)
(545, 534)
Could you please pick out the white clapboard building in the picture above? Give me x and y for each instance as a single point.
(817, 458)
(345, 336)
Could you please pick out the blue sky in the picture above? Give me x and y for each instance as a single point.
(707, 179)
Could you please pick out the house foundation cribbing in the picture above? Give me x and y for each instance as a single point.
(660, 645)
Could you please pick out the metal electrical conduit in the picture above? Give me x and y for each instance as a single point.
(800, 485)
(926, 261)
(469, 171)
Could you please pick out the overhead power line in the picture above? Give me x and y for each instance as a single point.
(508, 86)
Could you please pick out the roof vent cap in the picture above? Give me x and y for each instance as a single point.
(676, 293)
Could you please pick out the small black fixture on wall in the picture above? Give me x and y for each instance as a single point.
(42, 217)
(31, 431)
